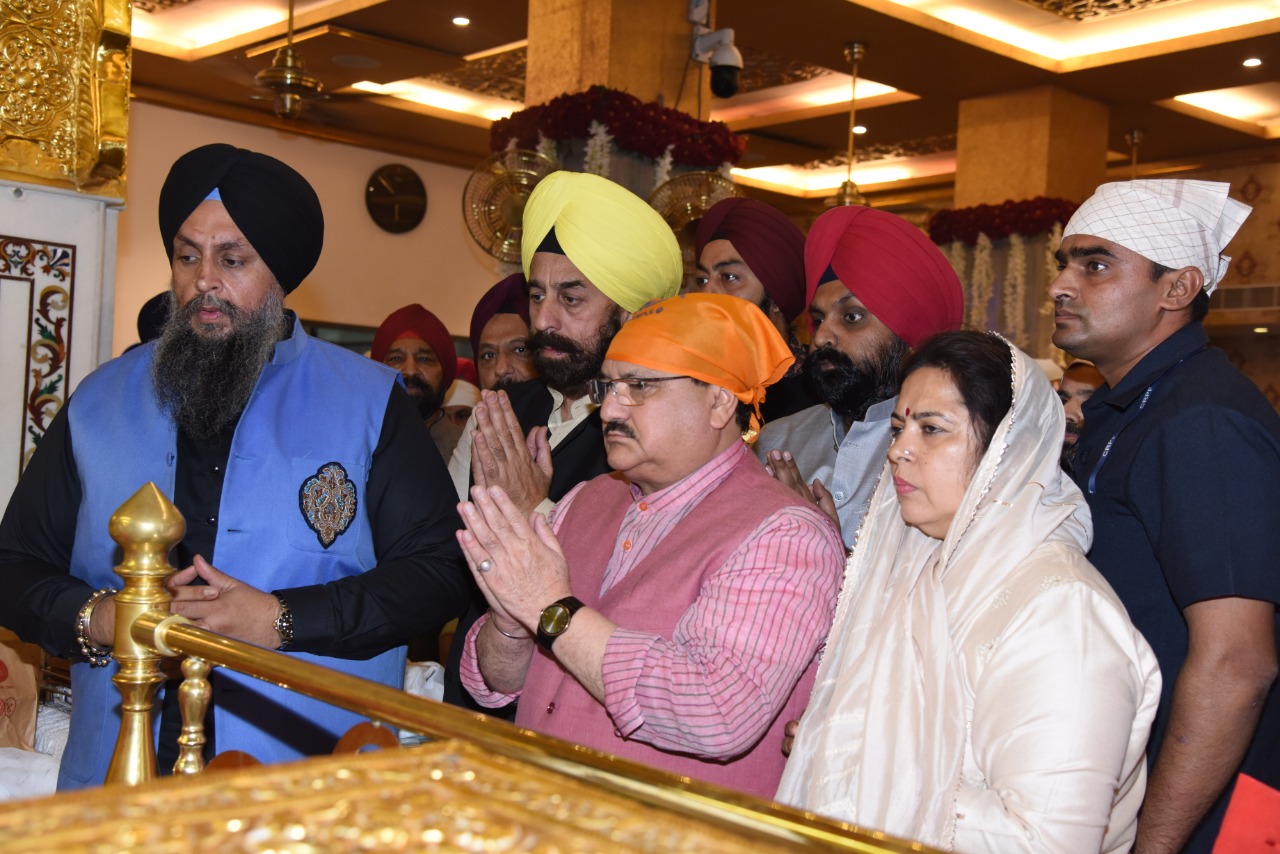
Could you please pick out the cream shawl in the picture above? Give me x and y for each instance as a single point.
(882, 742)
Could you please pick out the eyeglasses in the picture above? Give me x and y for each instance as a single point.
(629, 392)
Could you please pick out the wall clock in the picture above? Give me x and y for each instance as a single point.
(396, 198)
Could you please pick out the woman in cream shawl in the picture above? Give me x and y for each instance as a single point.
(982, 688)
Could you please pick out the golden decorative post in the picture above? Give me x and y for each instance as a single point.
(146, 526)
(193, 697)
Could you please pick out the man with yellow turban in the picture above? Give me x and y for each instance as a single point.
(670, 613)
(594, 252)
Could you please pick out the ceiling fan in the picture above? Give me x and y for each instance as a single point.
(287, 77)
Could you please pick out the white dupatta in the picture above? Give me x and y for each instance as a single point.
(882, 742)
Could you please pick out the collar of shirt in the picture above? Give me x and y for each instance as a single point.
(685, 493)
(878, 412)
(1165, 354)
(579, 409)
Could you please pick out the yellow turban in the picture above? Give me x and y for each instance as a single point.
(621, 245)
(722, 340)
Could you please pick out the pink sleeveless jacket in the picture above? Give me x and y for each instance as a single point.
(653, 597)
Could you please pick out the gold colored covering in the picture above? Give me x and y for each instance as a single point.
(65, 115)
(446, 796)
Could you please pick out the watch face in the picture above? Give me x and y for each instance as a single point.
(555, 619)
(396, 198)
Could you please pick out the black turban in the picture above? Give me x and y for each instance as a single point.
(273, 206)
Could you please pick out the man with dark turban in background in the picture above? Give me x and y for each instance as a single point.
(416, 343)
(593, 252)
(670, 613)
(876, 287)
(500, 335)
(748, 249)
(252, 427)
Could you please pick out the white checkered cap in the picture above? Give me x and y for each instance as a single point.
(1176, 223)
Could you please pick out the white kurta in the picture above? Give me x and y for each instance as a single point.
(985, 692)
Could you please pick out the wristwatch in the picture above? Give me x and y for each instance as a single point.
(555, 620)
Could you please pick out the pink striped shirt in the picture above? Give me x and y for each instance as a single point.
(717, 684)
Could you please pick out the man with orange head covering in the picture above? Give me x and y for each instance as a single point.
(414, 342)
(670, 613)
(876, 287)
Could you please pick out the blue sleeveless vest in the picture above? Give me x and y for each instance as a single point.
(311, 425)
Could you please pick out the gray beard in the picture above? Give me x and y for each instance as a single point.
(204, 384)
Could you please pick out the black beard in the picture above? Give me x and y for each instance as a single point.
(570, 376)
(851, 389)
(205, 383)
(1068, 459)
(430, 401)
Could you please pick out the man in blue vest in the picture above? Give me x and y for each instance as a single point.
(319, 518)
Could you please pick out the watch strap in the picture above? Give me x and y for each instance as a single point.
(547, 639)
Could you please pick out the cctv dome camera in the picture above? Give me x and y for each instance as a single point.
(716, 48)
(724, 80)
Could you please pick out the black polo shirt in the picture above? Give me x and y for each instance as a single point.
(1186, 507)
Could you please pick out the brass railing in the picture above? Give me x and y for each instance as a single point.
(147, 526)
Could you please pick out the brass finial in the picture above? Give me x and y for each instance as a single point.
(147, 527)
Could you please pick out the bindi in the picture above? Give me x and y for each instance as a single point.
(908, 411)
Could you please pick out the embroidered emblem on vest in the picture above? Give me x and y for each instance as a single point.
(328, 502)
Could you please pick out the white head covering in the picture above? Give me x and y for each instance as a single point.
(462, 393)
(882, 740)
(1175, 223)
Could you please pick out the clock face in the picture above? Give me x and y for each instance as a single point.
(396, 198)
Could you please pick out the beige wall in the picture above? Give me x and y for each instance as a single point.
(364, 273)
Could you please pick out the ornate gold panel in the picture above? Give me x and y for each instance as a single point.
(446, 796)
(64, 92)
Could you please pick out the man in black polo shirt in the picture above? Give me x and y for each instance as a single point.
(1179, 460)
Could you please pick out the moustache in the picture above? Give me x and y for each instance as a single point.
(550, 340)
(197, 303)
(417, 383)
(830, 355)
(1073, 428)
(619, 427)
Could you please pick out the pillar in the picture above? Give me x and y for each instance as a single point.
(1035, 142)
(639, 48)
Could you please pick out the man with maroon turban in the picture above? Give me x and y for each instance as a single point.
(876, 287)
(414, 342)
(500, 335)
(748, 249)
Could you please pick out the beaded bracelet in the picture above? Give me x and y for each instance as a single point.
(97, 656)
(284, 623)
(508, 634)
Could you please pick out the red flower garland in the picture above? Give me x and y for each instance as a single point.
(1028, 218)
(646, 129)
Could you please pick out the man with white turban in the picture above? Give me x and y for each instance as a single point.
(670, 613)
(315, 522)
(1179, 460)
(594, 253)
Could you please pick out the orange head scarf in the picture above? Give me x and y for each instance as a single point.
(722, 340)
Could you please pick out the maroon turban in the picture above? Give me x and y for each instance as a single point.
(417, 321)
(769, 243)
(509, 296)
(890, 266)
